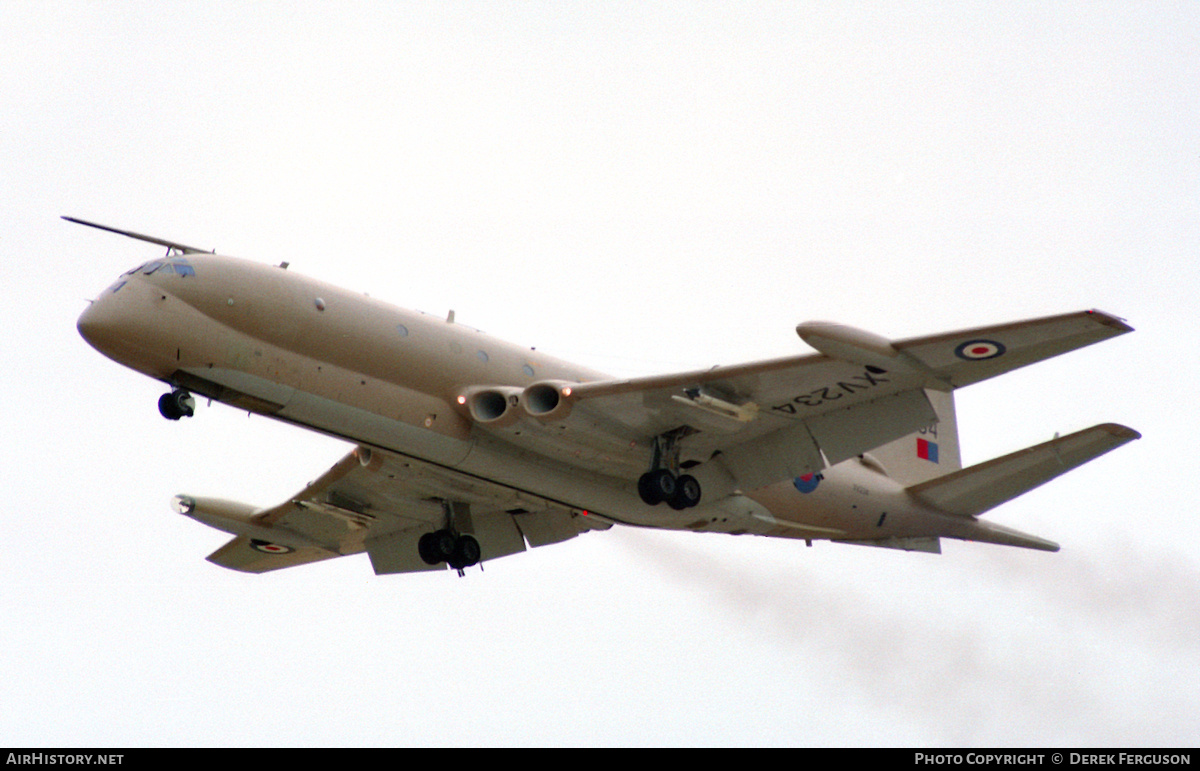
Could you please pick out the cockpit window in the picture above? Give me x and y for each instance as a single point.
(179, 266)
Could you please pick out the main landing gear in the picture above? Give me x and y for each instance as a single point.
(457, 549)
(177, 404)
(662, 485)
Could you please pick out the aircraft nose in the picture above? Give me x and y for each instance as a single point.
(124, 324)
(99, 324)
(90, 325)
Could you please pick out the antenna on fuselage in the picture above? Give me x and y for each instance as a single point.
(183, 248)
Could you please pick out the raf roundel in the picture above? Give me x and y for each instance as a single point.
(807, 483)
(270, 548)
(978, 350)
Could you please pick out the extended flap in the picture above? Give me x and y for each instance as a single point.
(862, 427)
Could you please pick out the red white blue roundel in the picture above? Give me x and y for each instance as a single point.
(807, 483)
(266, 547)
(977, 350)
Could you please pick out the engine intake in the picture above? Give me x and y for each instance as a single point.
(548, 400)
(495, 407)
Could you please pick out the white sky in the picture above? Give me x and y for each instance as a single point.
(638, 187)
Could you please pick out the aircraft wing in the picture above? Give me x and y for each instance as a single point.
(382, 503)
(254, 555)
(791, 416)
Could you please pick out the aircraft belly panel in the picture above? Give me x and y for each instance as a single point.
(368, 428)
(236, 385)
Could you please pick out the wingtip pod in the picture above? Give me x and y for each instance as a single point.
(847, 343)
(230, 516)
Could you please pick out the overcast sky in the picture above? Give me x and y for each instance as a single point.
(639, 187)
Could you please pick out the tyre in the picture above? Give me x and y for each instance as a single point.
(687, 493)
(656, 486)
(466, 552)
(428, 549)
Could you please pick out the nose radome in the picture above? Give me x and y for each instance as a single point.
(98, 324)
(89, 323)
(122, 324)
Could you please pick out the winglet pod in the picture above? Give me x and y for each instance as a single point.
(847, 343)
(237, 518)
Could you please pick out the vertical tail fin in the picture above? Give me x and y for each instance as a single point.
(929, 453)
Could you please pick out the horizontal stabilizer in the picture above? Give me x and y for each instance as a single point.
(982, 487)
(989, 532)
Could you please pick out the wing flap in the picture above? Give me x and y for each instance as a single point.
(397, 553)
(788, 452)
(853, 430)
(928, 545)
(542, 528)
(980, 488)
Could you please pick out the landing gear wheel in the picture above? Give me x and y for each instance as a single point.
(687, 493)
(444, 544)
(466, 552)
(656, 486)
(427, 548)
(457, 551)
(176, 405)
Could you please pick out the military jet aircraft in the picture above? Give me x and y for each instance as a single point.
(468, 448)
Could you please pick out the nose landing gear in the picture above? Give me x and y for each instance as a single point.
(177, 404)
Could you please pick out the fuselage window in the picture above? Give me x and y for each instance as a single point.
(183, 269)
(482, 355)
(528, 370)
(403, 330)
